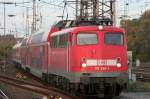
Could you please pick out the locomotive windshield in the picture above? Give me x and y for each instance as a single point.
(87, 38)
(113, 38)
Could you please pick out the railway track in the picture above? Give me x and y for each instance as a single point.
(49, 92)
(142, 72)
(3, 95)
(35, 85)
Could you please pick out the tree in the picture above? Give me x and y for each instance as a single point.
(138, 36)
(6, 44)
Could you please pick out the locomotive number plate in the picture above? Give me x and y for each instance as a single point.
(101, 62)
(102, 68)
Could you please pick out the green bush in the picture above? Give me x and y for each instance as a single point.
(138, 87)
(132, 87)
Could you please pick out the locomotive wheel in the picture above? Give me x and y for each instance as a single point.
(27, 70)
(118, 89)
(44, 77)
(65, 84)
(109, 91)
(51, 80)
(71, 88)
(60, 82)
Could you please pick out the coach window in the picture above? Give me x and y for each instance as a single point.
(54, 42)
(63, 40)
(87, 38)
(113, 38)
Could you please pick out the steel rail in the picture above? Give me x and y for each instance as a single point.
(43, 90)
(3, 95)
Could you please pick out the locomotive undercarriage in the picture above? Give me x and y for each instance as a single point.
(99, 87)
(88, 87)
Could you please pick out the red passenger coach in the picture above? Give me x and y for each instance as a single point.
(16, 54)
(38, 54)
(87, 60)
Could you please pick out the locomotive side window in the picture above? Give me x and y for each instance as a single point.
(63, 41)
(54, 42)
(113, 38)
(87, 38)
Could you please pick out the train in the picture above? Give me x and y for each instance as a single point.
(85, 60)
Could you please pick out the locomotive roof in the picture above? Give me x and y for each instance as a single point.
(85, 28)
(63, 31)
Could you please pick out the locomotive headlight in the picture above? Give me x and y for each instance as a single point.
(100, 27)
(84, 64)
(118, 64)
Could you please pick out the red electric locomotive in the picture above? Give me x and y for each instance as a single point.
(85, 60)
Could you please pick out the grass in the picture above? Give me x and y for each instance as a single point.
(139, 87)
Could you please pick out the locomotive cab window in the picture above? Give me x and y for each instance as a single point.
(59, 41)
(113, 38)
(63, 40)
(87, 38)
(54, 42)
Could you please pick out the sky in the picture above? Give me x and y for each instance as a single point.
(50, 10)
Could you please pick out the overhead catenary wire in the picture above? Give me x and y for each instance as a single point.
(14, 2)
(23, 6)
(51, 4)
